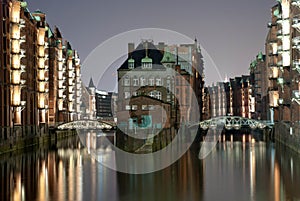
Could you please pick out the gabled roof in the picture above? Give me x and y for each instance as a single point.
(140, 53)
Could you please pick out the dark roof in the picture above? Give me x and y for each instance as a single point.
(57, 32)
(140, 52)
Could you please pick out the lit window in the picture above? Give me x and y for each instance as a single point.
(158, 95)
(127, 107)
(158, 82)
(144, 107)
(134, 107)
(152, 94)
(126, 94)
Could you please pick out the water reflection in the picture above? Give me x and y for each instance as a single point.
(240, 168)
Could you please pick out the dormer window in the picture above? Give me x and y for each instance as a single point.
(146, 63)
(131, 63)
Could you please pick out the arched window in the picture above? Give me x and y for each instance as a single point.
(152, 94)
(126, 81)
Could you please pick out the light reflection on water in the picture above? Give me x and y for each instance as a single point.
(239, 168)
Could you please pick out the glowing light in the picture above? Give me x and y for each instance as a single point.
(16, 96)
(16, 77)
(15, 14)
(41, 37)
(15, 61)
(41, 51)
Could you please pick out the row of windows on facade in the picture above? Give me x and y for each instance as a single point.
(144, 107)
(153, 94)
(143, 81)
(144, 65)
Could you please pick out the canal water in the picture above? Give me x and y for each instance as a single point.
(239, 168)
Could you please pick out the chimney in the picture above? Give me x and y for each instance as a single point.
(161, 46)
(130, 48)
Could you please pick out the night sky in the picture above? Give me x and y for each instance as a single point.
(232, 31)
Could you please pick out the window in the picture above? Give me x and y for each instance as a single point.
(127, 107)
(144, 107)
(126, 94)
(126, 81)
(135, 81)
(147, 65)
(158, 82)
(168, 85)
(151, 81)
(134, 93)
(158, 95)
(152, 94)
(130, 65)
(134, 107)
(151, 107)
(143, 81)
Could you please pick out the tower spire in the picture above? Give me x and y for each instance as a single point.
(91, 84)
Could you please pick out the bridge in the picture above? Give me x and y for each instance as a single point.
(86, 124)
(229, 122)
(233, 122)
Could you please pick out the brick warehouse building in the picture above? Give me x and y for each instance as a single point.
(40, 75)
(158, 76)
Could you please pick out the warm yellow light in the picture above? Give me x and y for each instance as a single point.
(60, 75)
(41, 51)
(41, 36)
(41, 86)
(71, 106)
(41, 75)
(15, 12)
(16, 77)
(15, 61)
(41, 63)
(275, 72)
(70, 64)
(16, 95)
(41, 101)
(15, 46)
(60, 104)
(60, 66)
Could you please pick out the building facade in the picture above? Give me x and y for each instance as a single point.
(261, 86)
(160, 76)
(232, 98)
(40, 81)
